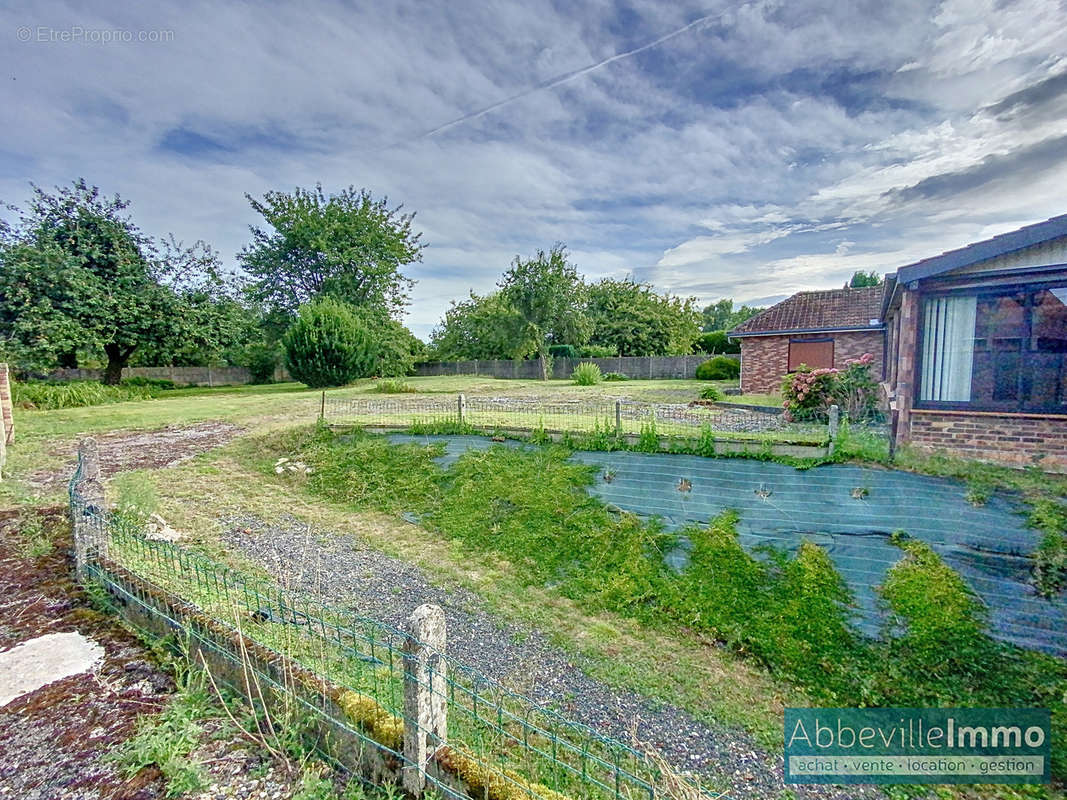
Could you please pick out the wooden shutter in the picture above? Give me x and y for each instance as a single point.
(816, 354)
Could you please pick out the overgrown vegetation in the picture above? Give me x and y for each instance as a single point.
(792, 613)
(393, 386)
(809, 393)
(52, 395)
(587, 374)
(167, 740)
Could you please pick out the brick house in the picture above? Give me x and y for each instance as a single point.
(819, 329)
(977, 348)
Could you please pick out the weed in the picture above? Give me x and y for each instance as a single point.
(586, 374)
(713, 393)
(167, 740)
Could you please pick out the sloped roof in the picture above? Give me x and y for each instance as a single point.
(1052, 228)
(832, 309)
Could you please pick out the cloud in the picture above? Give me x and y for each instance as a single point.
(712, 148)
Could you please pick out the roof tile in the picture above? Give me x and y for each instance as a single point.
(833, 308)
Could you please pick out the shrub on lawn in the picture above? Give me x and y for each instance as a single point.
(586, 374)
(719, 368)
(809, 393)
(615, 376)
(713, 393)
(328, 345)
(393, 386)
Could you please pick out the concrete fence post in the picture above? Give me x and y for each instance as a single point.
(461, 407)
(835, 421)
(425, 693)
(90, 514)
(618, 417)
(6, 405)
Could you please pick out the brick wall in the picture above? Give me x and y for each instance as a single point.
(1007, 439)
(765, 359)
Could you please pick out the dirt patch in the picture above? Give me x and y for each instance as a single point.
(121, 451)
(55, 740)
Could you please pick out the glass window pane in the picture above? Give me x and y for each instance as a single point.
(1047, 359)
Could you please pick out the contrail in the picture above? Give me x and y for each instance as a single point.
(551, 83)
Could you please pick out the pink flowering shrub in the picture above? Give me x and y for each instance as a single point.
(809, 393)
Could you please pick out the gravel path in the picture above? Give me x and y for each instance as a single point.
(344, 571)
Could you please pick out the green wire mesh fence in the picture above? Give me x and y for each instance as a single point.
(500, 744)
(619, 417)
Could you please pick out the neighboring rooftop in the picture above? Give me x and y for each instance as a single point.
(829, 310)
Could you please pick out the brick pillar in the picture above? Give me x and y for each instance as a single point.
(6, 405)
(907, 353)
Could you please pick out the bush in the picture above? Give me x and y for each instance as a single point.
(809, 393)
(615, 376)
(261, 360)
(48, 396)
(328, 345)
(715, 342)
(587, 374)
(162, 384)
(598, 351)
(720, 368)
(562, 351)
(713, 393)
(393, 386)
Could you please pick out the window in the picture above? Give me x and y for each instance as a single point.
(815, 353)
(1000, 352)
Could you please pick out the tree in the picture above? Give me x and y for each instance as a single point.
(861, 279)
(78, 277)
(636, 321)
(328, 345)
(722, 316)
(715, 342)
(549, 297)
(349, 245)
(481, 327)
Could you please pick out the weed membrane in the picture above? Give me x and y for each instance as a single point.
(849, 511)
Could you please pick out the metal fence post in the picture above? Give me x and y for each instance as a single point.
(89, 513)
(322, 407)
(461, 407)
(618, 417)
(425, 706)
(835, 421)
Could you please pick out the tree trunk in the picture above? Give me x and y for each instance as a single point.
(544, 366)
(116, 360)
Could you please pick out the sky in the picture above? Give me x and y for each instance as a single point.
(744, 150)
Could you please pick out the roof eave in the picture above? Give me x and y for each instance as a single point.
(786, 331)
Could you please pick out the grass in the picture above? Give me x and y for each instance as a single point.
(714, 683)
(788, 615)
(773, 400)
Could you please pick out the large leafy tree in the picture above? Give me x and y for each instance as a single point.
(636, 321)
(78, 277)
(722, 316)
(483, 326)
(348, 245)
(861, 279)
(549, 297)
